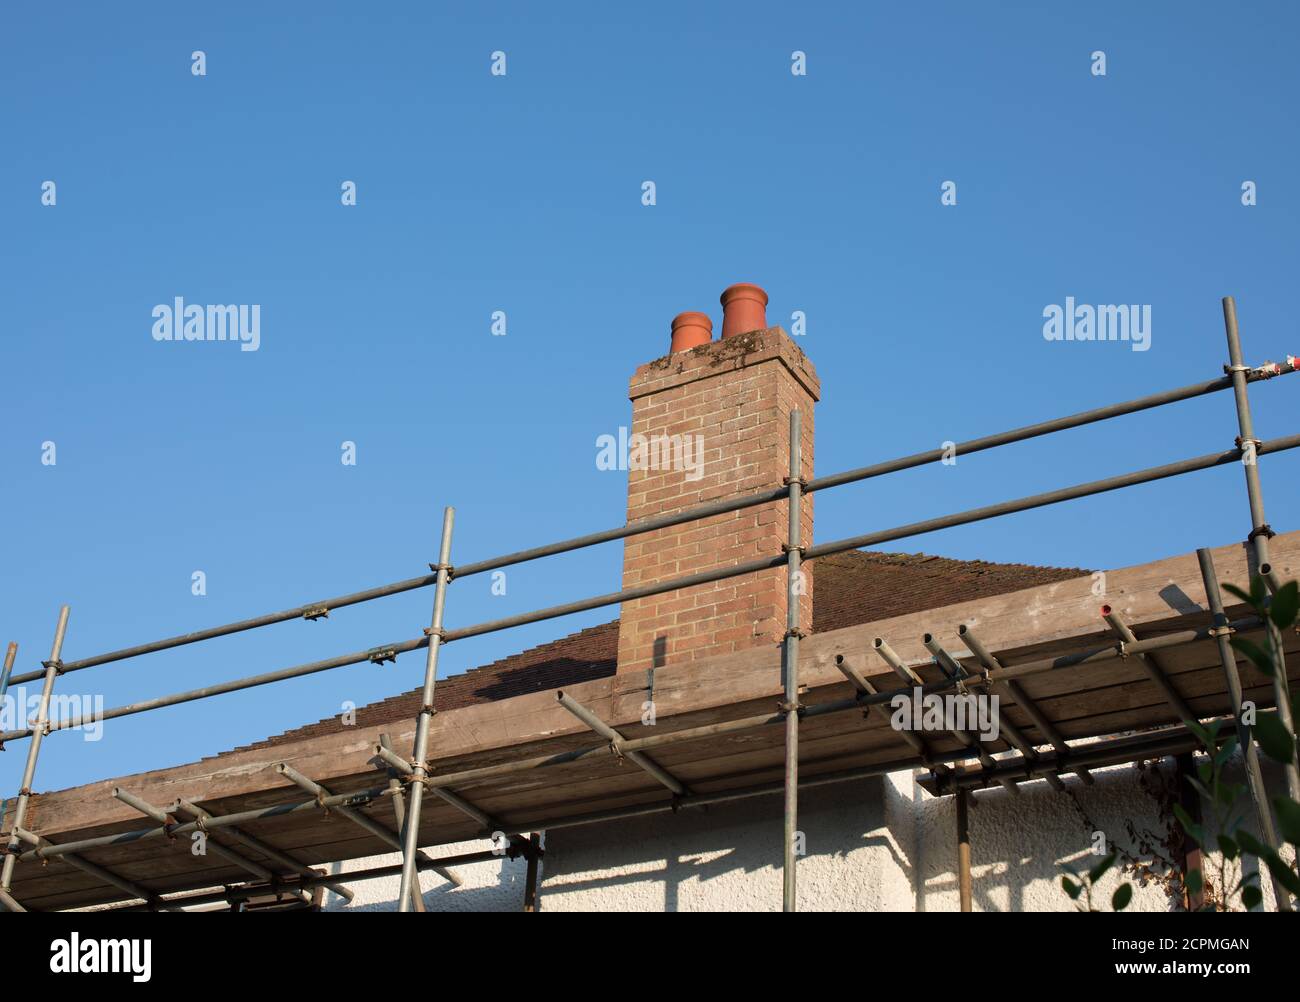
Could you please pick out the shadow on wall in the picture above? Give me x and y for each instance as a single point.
(495, 886)
(1018, 840)
(878, 845)
(728, 857)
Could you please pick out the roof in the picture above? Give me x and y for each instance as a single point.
(859, 586)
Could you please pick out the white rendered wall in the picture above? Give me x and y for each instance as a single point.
(495, 886)
(881, 844)
(878, 845)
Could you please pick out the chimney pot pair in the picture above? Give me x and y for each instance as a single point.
(744, 309)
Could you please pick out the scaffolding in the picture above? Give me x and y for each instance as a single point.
(403, 781)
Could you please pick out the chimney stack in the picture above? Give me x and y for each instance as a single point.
(712, 421)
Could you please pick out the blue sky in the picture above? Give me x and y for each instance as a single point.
(522, 193)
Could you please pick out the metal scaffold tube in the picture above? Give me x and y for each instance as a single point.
(320, 609)
(411, 835)
(794, 590)
(963, 848)
(10, 655)
(1249, 752)
(1260, 531)
(52, 668)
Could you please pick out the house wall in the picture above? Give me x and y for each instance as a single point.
(882, 844)
(496, 886)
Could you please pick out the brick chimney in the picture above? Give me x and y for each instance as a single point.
(736, 395)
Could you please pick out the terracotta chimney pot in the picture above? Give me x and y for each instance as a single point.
(744, 309)
(690, 330)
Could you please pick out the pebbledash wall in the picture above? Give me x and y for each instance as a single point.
(881, 844)
(877, 845)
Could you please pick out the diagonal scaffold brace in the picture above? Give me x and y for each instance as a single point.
(411, 834)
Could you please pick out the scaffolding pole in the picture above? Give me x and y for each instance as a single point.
(1016, 692)
(10, 655)
(791, 707)
(97, 871)
(321, 608)
(1249, 751)
(52, 668)
(908, 674)
(363, 797)
(1152, 667)
(1260, 531)
(277, 856)
(530, 878)
(167, 821)
(618, 745)
(390, 838)
(963, 849)
(309, 880)
(866, 688)
(389, 651)
(411, 835)
(954, 669)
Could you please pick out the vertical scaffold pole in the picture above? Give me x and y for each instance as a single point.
(963, 849)
(1259, 528)
(411, 832)
(790, 651)
(10, 655)
(52, 668)
(1249, 753)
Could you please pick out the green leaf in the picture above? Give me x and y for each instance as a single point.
(1285, 875)
(1259, 657)
(1225, 753)
(1071, 888)
(1288, 818)
(1098, 871)
(1238, 593)
(1285, 605)
(1190, 827)
(1252, 897)
(1228, 847)
(1227, 793)
(1202, 735)
(1122, 896)
(1251, 844)
(1200, 788)
(1274, 738)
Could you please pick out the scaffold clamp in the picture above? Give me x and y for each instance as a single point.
(449, 568)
